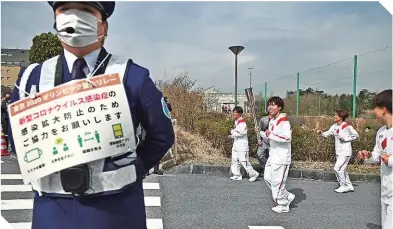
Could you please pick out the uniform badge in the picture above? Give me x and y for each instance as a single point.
(165, 109)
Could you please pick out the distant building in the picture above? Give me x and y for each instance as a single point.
(11, 62)
(15, 57)
(9, 75)
(217, 101)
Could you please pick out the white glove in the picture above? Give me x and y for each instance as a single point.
(262, 134)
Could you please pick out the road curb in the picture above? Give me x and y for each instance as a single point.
(222, 170)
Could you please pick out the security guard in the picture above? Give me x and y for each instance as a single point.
(115, 199)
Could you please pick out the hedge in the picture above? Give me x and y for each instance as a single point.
(306, 144)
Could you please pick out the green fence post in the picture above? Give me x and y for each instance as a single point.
(265, 97)
(297, 93)
(354, 95)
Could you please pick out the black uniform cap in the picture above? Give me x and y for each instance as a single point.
(106, 8)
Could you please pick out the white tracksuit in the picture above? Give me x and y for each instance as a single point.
(240, 149)
(277, 165)
(383, 145)
(343, 135)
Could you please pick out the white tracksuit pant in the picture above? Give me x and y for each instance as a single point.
(240, 158)
(387, 216)
(340, 169)
(275, 176)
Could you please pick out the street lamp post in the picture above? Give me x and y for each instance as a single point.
(236, 50)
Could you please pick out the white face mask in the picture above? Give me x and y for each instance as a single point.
(84, 25)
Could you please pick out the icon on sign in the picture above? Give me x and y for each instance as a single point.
(65, 147)
(117, 131)
(33, 155)
(97, 135)
(54, 151)
(59, 141)
(88, 136)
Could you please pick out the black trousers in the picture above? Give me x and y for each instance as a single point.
(4, 129)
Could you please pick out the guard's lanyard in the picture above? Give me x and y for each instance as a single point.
(101, 63)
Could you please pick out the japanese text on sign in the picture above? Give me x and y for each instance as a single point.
(81, 124)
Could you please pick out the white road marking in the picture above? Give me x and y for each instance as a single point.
(27, 204)
(155, 186)
(18, 204)
(154, 224)
(152, 201)
(16, 188)
(11, 176)
(4, 224)
(21, 225)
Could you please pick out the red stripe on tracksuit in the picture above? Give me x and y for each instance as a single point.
(281, 137)
(384, 143)
(342, 127)
(282, 181)
(240, 121)
(283, 119)
(344, 163)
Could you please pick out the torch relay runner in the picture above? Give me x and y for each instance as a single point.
(277, 165)
(240, 148)
(343, 134)
(382, 153)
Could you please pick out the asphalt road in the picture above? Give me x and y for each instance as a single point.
(212, 202)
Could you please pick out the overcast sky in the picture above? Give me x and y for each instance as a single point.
(279, 39)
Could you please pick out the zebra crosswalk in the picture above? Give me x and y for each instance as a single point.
(17, 200)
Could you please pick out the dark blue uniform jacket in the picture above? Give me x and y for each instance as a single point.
(125, 209)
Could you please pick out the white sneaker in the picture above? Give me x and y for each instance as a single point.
(341, 189)
(291, 197)
(236, 177)
(281, 209)
(350, 188)
(253, 178)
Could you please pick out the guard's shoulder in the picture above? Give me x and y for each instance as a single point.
(31, 69)
(137, 74)
(135, 69)
(31, 66)
(35, 67)
(50, 60)
(139, 70)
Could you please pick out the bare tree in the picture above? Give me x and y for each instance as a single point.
(186, 99)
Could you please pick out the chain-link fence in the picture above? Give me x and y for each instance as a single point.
(324, 89)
